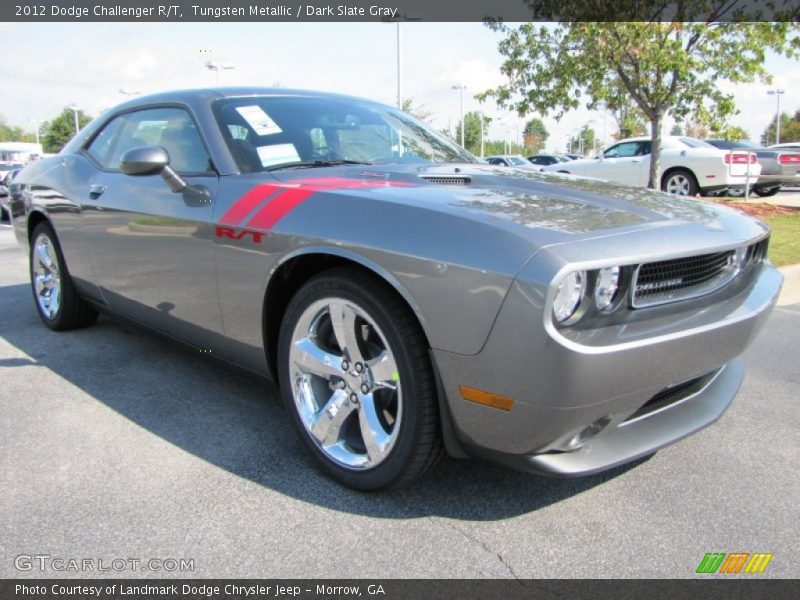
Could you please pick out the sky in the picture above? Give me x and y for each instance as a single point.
(48, 66)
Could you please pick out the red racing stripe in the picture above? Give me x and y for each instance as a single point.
(278, 207)
(288, 196)
(242, 207)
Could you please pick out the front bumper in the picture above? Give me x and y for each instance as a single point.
(561, 384)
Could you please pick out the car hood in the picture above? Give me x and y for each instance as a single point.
(517, 197)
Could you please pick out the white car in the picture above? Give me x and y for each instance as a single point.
(688, 166)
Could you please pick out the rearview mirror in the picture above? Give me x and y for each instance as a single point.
(144, 160)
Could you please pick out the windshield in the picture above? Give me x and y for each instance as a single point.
(273, 132)
(516, 160)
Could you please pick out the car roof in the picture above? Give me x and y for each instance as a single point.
(212, 93)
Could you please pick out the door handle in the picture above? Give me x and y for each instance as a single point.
(95, 191)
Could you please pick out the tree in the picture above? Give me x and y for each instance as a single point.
(666, 68)
(584, 141)
(628, 117)
(472, 131)
(731, 133)
(419, 111)
(14, 133)
(676, 129)
(503, 147)
(60, 130)
(696, 129)
(790, 129)
(534, 136)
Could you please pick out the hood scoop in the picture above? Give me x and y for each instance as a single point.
(455, 180)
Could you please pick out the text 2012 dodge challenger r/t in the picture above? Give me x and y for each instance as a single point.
(408, 299)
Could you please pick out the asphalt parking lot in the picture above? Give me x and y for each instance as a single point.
(114, 444)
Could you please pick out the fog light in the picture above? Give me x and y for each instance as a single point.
(587, 433)
(569, 294)
(606, 287)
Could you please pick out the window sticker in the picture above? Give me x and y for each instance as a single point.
(260, 121)
(277, 154)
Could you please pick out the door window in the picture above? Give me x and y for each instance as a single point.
(171, 128)
(622, 150)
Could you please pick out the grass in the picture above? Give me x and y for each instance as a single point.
(784, 245)
(162, 221)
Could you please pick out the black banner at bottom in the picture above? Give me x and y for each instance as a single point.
(704, 588)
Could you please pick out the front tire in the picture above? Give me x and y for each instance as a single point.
(59, 305)
(357, 380)
(680, 182)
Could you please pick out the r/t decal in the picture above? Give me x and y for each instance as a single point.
(232, 234)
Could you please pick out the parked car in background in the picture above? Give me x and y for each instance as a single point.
(407, 298)
(573, 156)
(544, 160)
(688, 166)
(5, 186)
(508, 160)
(786, 146)
(778, 166)
(6, 167)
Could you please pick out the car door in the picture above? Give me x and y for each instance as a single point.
(622, 163)
(151, 249)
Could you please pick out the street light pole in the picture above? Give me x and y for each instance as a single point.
(483, 119)
(75, 110)
(777, 94)
(461, 87)
(36, 123)
(217, 67)
(399, 69)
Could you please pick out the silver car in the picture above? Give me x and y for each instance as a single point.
(410, 300)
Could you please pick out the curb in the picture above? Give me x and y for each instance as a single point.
(790, 294)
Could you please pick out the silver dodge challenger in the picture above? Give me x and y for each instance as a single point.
(410, 300)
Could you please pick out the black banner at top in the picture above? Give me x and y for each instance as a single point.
(399, 10)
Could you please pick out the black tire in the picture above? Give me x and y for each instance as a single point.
(418, 446)
(73, 312)
(765, 192)
(691, 188)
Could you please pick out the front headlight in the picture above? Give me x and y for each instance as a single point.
(569, 294)
(606, 286)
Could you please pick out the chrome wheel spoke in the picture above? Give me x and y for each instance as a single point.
(343, 320)
(310, 358)
(327, 424)
(43, 254)
(383, 370)
(376, 438)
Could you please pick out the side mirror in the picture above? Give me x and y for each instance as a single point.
(145, 160)
(152, 160)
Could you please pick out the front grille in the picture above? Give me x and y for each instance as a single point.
(447, 180)
(683, 278)
(672, 394)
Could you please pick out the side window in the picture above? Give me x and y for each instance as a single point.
(644, 149)
(171, 128)
(622, 150)
(102, 146)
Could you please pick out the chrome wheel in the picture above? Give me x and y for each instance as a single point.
(678, 184)
(46, 277)
(345, 383)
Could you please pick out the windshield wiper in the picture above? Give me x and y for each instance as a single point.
(311, 164)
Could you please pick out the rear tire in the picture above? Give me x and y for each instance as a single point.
(56, 299)
(356, 377)
(766, 192)
(680, 182)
